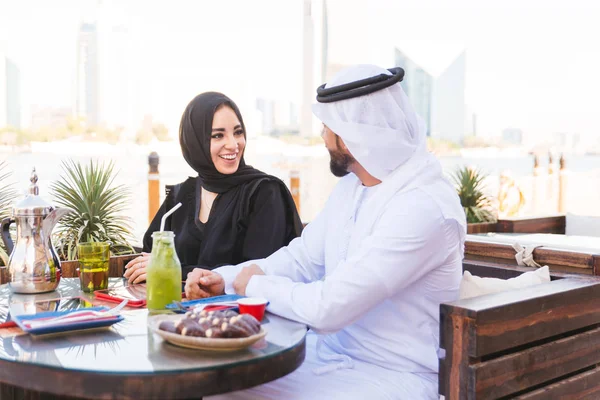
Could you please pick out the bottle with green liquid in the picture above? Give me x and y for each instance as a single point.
(163, 274)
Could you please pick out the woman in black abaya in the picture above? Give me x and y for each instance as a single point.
(230, 212)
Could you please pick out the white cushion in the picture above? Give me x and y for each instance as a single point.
(472, 286)
(582, 225)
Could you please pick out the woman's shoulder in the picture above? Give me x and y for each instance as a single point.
(183, 193)
(264, 185)
(264, 190)
(189, 185)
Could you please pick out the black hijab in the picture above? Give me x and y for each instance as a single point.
(195, 136)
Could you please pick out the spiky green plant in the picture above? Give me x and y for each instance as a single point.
(8, 194)
(100, 208)
(477, 205)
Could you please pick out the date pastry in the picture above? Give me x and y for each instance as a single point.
(214, 324)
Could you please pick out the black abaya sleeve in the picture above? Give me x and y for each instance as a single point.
(268, 223)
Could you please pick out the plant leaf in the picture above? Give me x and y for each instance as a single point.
(8, 195)
(470, 188)
(100, 208)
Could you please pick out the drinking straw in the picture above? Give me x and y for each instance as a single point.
(164, 218)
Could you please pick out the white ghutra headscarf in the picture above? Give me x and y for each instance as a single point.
(381, 129)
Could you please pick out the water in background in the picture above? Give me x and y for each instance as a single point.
(276, 158)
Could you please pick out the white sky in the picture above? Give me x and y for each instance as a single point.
(532, 64)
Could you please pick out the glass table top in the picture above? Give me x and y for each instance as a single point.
(128, 346)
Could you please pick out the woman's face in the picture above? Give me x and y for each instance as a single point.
(227, 141)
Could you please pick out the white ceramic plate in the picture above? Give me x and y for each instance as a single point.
(191, 342)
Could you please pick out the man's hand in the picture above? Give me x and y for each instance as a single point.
(135, 270)
(203, 283)
(241, 280)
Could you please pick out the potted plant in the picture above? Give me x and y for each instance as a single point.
(100, 209)
(7, 197)
(477, 205)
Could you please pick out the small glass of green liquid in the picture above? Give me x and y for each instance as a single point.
(94, 259)
(163, 274)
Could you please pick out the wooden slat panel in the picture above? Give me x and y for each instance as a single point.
(482, 228)
(117, 264)
(69, 269)
(516, 372)
(555, 224)
(551, 256)
(526, 321)
(596, 264)
(3, 275)
(442, 378)
(458, 331)
(513, 318)
(115, 268)
(584, 386)
(489, 249)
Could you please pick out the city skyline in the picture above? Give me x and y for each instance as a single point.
(532, 67)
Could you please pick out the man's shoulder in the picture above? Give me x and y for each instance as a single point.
(424, 210)
(416, 204)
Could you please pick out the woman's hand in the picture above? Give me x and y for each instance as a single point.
(135, 270)
(203, 283)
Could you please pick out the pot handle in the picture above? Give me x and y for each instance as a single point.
(6, 234)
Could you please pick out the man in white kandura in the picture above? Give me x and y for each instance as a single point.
(369, 273)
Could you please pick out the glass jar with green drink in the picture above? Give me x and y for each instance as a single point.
(163, 274)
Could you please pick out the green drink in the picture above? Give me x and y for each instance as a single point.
(163, 274)
(94, 261)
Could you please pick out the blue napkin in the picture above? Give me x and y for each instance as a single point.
(68, 325)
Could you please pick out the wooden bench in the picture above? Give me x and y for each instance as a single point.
(571, 261)
(561, 255)
(69, 268)
(541, 342)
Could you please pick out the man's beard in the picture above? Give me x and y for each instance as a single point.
(339, 163)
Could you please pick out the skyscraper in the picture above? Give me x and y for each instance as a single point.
(314, 59)
(13, 95)
(87, 96)
(306, 118)
(438, 99)
(449, 109)
(418, 86)
(3, 91)
(10, 93)
(324, 42)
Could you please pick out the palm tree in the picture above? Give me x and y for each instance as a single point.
(7, 197)
(469, 186)
(100, 209)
